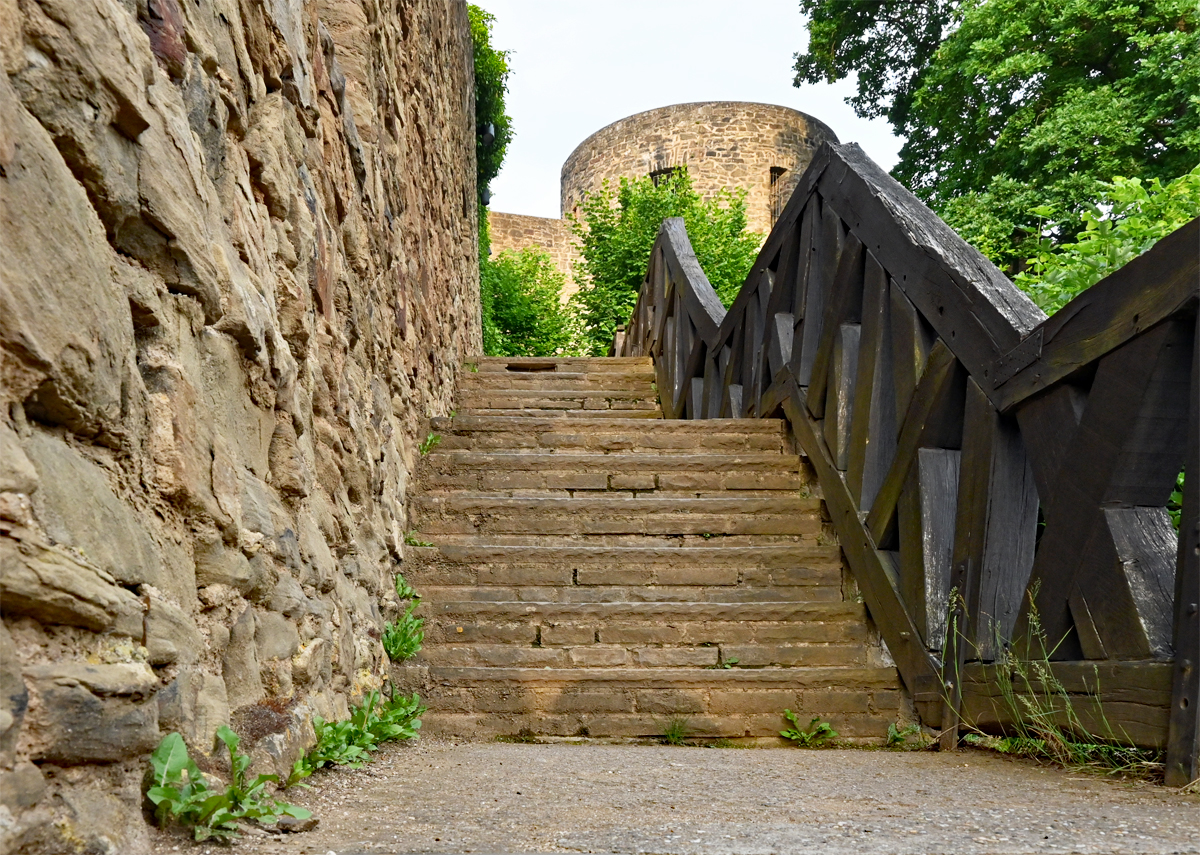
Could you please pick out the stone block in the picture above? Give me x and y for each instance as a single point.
(91, 713)
(288, 598)
(275, 637)
(670, 701)
(239, 665)
(22, 787)
(572, 701)
(567, 635)
(676, 657)
(171, 635)
(17, 474)
(633, 481)
(217, 564)
(53, 586)
(195, 704)
(14, 698)
(71, 373)
(78, 508)
(599, 657)
(735, 702)
(651, 633)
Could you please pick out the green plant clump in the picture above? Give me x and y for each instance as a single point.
(1130, 217)
(351, 742)
(404, 637)
(411, 538)
(523, 310)
(429, 443)
(676, 730)
(818, 734)
(616, 228)
(182, 795)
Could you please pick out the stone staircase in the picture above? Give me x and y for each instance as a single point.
(601, 571)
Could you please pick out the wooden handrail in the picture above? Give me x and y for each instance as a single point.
(964, 441)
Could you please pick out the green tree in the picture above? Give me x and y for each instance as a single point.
(523, 310)
(1131, 217)
(616, 230)
(1014, 105)
(491, 85)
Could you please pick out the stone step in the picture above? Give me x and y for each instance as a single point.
(607, 435)
(569, 364)
(642, 383)
(553, 399)
(796, 572)
(563, 415)
(588, 513)
(647, 471)
(511, 655)
(831, 593)
(859, 703)
(751, 634)
(703, 540)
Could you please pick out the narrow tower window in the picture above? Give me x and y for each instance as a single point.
(660, 175)
(777, 199)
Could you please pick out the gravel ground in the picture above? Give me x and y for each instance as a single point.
(432, 796)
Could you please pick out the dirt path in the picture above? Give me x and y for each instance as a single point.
(445, 797)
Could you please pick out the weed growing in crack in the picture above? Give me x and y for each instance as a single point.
(818, 734)
(676, 730)
(351, 742)
(403, 638)
(183, 795)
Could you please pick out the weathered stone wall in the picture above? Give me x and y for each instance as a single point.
(237, 246)
(518, 231)
(724, 144)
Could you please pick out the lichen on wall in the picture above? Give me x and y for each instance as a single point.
(237, 274)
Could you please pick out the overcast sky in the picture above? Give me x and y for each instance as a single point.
(578, 65)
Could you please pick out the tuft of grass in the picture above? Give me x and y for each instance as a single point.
(429, 443)
(817, 735)
(1045, 724)
(676, 730)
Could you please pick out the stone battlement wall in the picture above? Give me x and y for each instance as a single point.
(518, 231)
(724, 144)
(237, 274)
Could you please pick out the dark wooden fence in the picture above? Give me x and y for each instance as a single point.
(988, 469)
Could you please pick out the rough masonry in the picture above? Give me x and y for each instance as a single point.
(762, 149)
(237, 276)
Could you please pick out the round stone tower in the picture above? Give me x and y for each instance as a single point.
(763, 148)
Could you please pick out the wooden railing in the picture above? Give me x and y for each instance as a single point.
(987, 468)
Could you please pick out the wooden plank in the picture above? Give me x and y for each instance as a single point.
(972, 305)
(912, 340)
(871, 567)
(1008, 534)
(1183, 740)
(699, 298)
(823, 265)
(779, 349)
(927, 518)
(873, 431)
(839, 409)
(1048, 424)
(843, 305)
(1129, 447)
(1125, 702)
(934, 420)
(1154, 286)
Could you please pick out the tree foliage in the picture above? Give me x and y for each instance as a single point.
(1014, 105)
(491, 85)
(1131, 217)
(616, 231)
(523, 312)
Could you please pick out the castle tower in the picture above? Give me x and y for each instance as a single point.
(761, 148)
